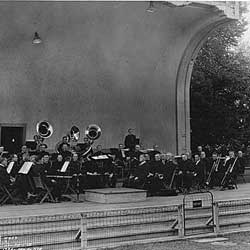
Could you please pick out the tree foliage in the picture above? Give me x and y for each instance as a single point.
(220, 89)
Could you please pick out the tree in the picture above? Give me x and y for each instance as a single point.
(220, 89)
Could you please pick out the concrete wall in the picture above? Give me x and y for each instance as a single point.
(113, 64)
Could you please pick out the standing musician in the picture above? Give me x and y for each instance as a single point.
(130, 140)
(231, 171)
(205, 162)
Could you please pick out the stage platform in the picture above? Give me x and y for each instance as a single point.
(243, 192)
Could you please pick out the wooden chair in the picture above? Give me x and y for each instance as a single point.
(6, 195)
(46, 191)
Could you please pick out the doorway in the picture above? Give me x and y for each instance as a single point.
(12, 137)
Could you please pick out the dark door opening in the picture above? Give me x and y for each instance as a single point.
(12, 138)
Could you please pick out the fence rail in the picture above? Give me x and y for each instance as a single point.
(198, 214)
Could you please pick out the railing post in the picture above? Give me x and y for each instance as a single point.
(83, 231)
(216, 218)
(181, 224)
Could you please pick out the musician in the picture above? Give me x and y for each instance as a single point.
(41, 150)
(109, 173)
(66, 154)
(154, 152)
(120, 154)
(4, 176)
(98, 151)
(47, 164)
(137, 179)
(155, 178)
(56, 165)
(242, 162)
(231, 171)
(130, 140)
(204, 160)
(59, 146)
(91, 172)
(16, 166)
(133, 157)
(200, 171)
(185, 174)
(199, 150)
(170, 169)
(23, 155)
(3, 153)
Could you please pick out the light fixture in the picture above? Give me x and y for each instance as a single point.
(151, 7)
(37, 39)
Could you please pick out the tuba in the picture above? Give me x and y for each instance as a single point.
(93, 132)
(74, 134)
(44, 129)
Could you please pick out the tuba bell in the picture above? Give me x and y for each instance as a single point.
(44, 129)
(74, 134)
(93, 132)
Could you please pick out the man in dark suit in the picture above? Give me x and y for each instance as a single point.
(200, 171)
(130, 140)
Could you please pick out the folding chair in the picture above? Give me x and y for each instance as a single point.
(6, 195)
(40, 185)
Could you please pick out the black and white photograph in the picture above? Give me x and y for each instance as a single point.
(124, 125)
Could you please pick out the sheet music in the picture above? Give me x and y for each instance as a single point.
(25, 167)
(10, 166)
(100, 157)
(65, 166)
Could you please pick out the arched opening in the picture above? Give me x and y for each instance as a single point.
(184, 78)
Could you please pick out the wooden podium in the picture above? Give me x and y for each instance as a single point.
(115, 195)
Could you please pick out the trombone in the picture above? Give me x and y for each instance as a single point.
(213, 169)
(229, 171)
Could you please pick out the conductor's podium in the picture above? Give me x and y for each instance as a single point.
(115, 195)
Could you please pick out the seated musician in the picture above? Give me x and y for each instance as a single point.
(41, 150)
(154, 152)
(91, 171)
(133, 157)
(59, 146)
(242, 162)
(185, 174)
(214, 171)
(24, 154)
(120, 155)
(16, 166)
(204, 160)
(66, 154)
(56, 165)
(199, 171)
(155, 178)
(47, 164)
(170, 169)
(40, 169)
(231, 171)
(4, 176)
(137, 178)
(84, 149)
(109, 173)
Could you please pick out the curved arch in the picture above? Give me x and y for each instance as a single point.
(184, 77)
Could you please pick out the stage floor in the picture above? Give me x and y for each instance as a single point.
(243, 192)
